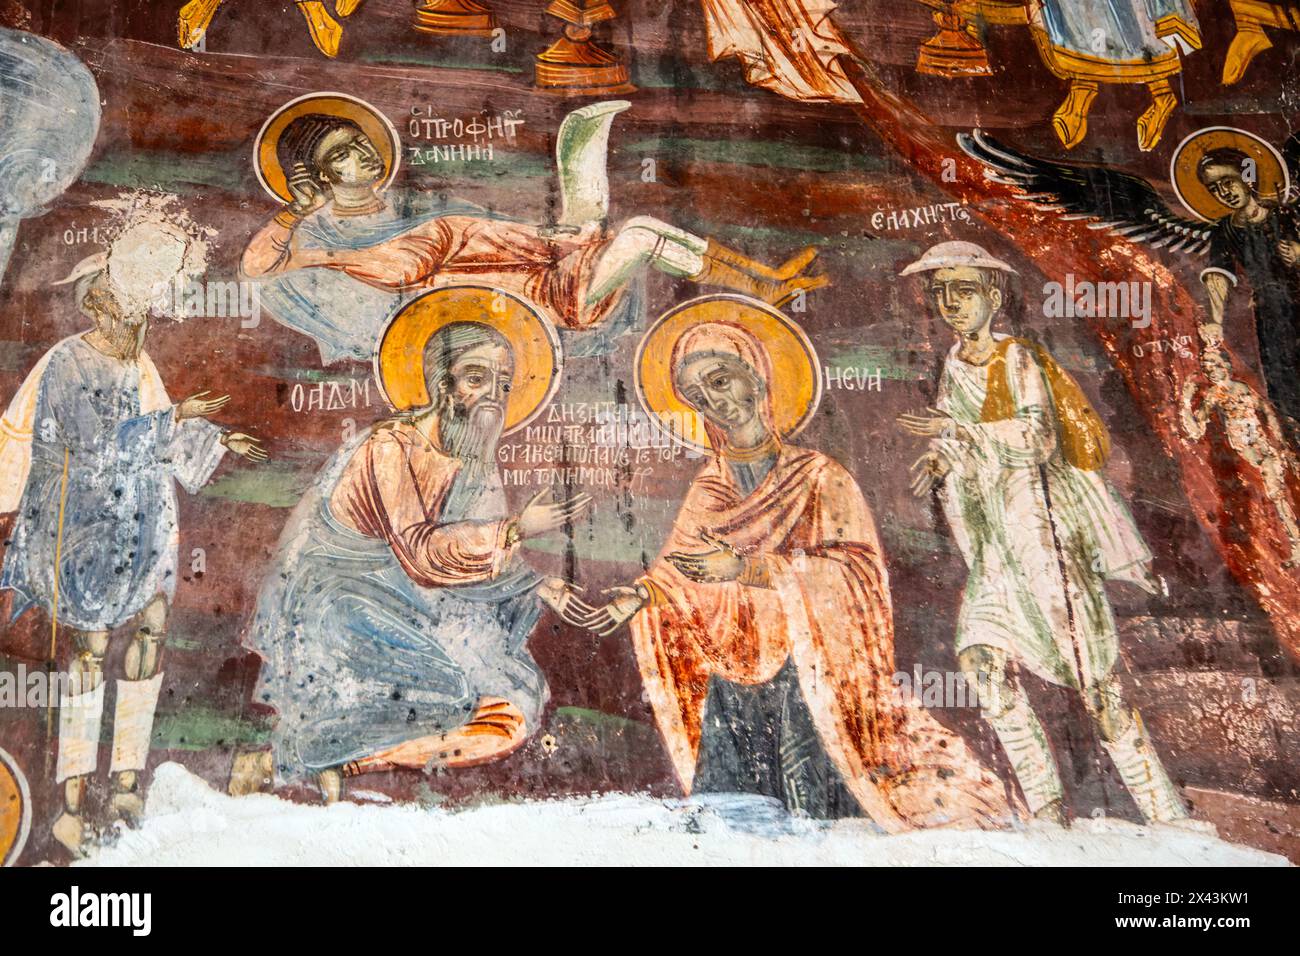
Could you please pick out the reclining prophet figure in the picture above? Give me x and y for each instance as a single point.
(393, 625)
(1016, 451)
(94, 447)
(764, 631)
(343, 253)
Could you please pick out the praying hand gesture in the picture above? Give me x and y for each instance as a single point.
(308, 194)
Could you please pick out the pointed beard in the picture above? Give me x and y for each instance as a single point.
(472, 434)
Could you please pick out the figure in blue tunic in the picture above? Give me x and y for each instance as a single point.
(90, 451)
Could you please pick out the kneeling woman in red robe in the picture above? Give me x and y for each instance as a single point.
(764, 632)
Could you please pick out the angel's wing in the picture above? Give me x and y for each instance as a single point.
(1125, 205)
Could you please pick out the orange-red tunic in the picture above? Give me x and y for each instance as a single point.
(828, 609)
(551, 271)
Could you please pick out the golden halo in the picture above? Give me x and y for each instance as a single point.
(1272, 180)
(796, 387)
(399, 356)
(374, 124)
(15, 810)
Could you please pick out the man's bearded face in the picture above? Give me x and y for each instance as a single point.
(104, 307)
(474, 411)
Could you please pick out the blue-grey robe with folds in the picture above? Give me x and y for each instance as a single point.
(125, 450)
(358, 656)
(1087, 37)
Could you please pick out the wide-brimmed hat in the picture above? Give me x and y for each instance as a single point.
(954, 255)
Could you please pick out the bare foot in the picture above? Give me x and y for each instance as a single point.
(127, 807)
(331, 785)
(1052, 813)
(73, 833)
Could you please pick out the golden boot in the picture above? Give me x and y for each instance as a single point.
(324, 29)
(193, 20)
(1151, 124)
(785, 271)
(1252, 17)
(775, 292)
(1071, 118)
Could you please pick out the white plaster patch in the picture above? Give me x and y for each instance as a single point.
(190, 824)
(153, 243)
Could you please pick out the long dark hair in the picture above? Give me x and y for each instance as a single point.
(300, 138)
(1224, 156)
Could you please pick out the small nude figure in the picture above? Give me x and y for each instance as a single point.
(1252, 429)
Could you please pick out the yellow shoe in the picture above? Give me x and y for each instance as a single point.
(1252, 16)
(192, 23)
(325, 30)
(1071, 118)
(1249, 43)
(1151, 124)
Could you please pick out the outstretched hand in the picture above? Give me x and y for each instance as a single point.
(200, 406)
(623, 603)
(927, 426)
(562, 598)
(928, 471)
(538, 518)
(245, 445)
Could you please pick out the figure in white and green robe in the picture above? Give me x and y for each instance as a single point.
(1040, 537)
